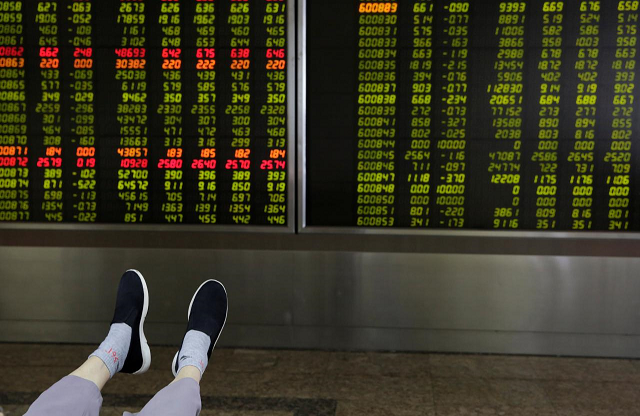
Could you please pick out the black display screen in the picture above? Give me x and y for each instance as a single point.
(144, 111)
(473, 114)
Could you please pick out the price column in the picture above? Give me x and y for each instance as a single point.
(377, 89)
(239, 110)
(274, 110)
(83, 199)
(450, 191)
(418, 155)
(545, 156)
(505, 99)
(582, 154)
(170, 109)
(49, 108)
(131, 62)
(14, 152)
(618, 155)
(204, 110)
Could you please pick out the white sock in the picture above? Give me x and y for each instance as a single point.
(113, 350)
(194, 351)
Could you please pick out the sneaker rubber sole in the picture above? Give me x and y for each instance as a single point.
(144, 346)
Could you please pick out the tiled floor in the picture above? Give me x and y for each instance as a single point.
(301, 383)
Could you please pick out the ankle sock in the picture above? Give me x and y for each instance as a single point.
(194, 351)
(113, 350)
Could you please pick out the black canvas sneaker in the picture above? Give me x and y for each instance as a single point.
(132, 304)
(207, 314)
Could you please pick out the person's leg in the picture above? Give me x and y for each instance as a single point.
(70, 396)
(207, 316)
(188, 371)
(124, 349)
(180, 398)
(95, 371)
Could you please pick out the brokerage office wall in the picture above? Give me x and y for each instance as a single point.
(368, 300)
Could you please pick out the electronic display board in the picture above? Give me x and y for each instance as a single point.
(508, 115)
(145, 111)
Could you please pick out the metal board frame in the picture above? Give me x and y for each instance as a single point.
(291, 169)
(301, 101)
(515, 304)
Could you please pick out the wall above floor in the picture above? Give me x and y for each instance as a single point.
(354, 297)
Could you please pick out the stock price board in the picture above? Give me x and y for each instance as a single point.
(144, 111)
(473, 114)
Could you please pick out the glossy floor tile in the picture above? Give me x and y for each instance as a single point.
(240, 382)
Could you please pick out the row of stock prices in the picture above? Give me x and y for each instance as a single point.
(144, 111)
(473, 114)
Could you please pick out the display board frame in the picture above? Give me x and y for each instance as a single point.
(518, 236)
(290, 228)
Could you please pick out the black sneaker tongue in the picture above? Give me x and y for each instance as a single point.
(127, 314)
(130, 317)
(130, 300)
(204, 323)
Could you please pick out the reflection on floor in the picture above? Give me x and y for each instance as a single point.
(315, 383)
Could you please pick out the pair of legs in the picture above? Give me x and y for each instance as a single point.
(77, 394)
(96, 372)
(125, 350)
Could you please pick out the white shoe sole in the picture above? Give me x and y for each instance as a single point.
(146, 352)
(175, 357)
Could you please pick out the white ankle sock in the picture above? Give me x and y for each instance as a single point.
(194, 351)
(113, 350)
